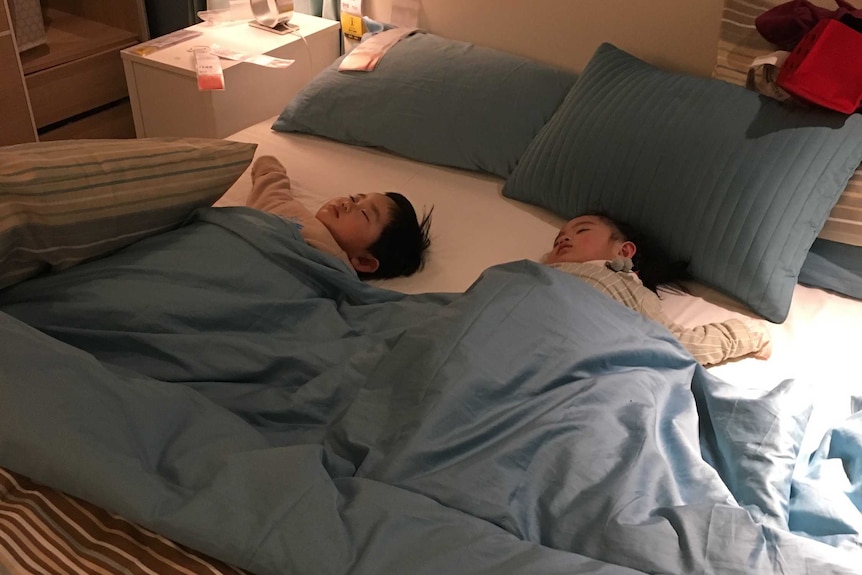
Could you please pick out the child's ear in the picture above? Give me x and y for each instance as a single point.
(366, 264)
(627, 250)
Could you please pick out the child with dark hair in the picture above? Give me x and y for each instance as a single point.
(378, 235)
(612, 257)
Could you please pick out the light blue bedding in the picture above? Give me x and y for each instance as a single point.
(235, 390)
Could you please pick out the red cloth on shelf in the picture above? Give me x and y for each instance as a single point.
(786, 24)
(825, 67)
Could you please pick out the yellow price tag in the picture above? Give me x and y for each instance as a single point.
(352, 26)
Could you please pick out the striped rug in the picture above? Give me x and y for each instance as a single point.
(43, 531)
(738, 44)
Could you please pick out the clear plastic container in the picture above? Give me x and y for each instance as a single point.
(217, 12)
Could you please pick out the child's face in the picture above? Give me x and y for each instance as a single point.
(584, 239)
(356, 222)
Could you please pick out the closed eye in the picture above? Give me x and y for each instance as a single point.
(365, 213)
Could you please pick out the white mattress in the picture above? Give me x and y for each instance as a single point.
(475, 227)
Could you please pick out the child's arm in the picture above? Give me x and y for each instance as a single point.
(271, 191)
(711, 343)
(717, 342)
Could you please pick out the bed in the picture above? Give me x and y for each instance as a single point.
(198, 391)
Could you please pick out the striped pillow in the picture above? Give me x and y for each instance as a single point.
(65, 202)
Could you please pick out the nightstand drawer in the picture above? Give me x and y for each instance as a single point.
(114, 122)
(63, 91)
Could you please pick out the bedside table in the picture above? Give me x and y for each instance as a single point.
(163, 87)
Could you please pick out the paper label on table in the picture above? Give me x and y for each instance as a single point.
(259, 59)
(351, 7)
(165, 41)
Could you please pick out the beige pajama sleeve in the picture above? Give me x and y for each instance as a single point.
(271, 192)
(710, 343)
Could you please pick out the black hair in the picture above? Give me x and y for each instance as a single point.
(403, 243)
(654, 266)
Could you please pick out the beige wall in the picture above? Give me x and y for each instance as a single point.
(681, 35)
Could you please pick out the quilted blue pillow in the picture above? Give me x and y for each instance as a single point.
(833, 266)
(735, 183)
(434, 100)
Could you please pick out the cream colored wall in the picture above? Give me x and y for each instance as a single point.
(680, 35)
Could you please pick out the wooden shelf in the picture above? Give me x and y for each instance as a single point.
(70, 38)
(73, 85)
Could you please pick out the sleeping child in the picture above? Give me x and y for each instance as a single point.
(378, 235)
(611, 257)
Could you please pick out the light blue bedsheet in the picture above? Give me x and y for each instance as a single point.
(235, 390)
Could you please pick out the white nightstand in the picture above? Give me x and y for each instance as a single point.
(163, 87)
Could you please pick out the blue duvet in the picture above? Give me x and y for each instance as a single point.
(237, 391)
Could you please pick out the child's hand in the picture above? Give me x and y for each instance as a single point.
(760, 330)
(765, 352)
(264, 165)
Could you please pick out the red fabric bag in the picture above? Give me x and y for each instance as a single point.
(786, 24)
(825, 67)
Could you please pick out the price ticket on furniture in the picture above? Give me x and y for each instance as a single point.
(171, 39)
(208, 70)
(259, 59)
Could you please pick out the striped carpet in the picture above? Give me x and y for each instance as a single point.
(738, 44)
(45, 532)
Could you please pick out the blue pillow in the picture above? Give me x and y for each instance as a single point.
(435, 100)
(735, 183)
(833, 266)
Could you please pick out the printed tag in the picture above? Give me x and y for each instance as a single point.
(208, 70)
(165, 41)
(366, 56)
(763, 73)
(259, 59)
(352, 26)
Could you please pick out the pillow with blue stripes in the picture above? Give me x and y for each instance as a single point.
(65, 202)
(735, 183)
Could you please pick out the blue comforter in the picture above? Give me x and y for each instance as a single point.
(239, 392)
